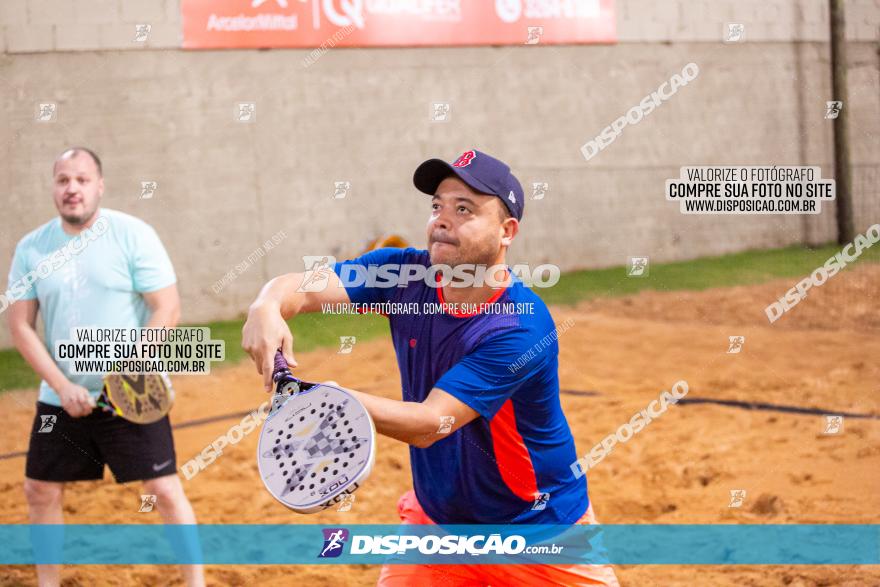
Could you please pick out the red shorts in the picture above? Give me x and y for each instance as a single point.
(411, 512)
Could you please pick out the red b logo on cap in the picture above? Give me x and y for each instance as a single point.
(465, 159)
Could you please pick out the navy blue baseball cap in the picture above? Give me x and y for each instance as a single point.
(481, 172)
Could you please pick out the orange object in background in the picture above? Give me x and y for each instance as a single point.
(216, 24)
(398, 242)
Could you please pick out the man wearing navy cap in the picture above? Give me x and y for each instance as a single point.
(489, 443)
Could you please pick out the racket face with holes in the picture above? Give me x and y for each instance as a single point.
(142, 399)
(317, 447)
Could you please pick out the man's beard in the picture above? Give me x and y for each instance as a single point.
(483, 253)
(80, 219)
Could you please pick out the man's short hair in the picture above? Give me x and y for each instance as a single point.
(74, 151)
(504, 213)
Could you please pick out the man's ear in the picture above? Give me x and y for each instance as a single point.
(509, 230)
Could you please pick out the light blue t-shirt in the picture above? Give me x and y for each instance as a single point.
(92, 280)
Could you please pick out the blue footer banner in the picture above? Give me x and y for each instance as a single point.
(297, 544)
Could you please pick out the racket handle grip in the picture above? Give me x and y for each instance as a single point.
(281, 376)
(281, 369)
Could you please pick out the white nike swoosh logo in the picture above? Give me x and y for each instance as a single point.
(162, 465)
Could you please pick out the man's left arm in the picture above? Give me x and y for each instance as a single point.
(476, 386)
(420, 424)
(164, 307)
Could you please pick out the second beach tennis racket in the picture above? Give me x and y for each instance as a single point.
(139, 398)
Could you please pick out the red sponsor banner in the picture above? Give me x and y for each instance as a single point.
(217, 24)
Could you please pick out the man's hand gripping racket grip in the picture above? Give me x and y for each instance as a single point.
(286, 385)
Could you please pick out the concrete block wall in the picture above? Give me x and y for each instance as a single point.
(32, 26)
(765, 20)
(359, 115)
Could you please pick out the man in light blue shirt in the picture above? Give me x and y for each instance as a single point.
(91, 267)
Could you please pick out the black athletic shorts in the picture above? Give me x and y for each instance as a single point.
(75, 449)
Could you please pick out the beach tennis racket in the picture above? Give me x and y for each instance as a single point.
(317, 445)
(139, 398)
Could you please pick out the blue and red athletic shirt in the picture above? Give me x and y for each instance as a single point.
(518, 453)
